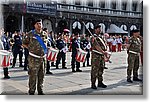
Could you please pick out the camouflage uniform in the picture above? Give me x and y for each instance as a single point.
(36, 65)
(97, 62)
(133, 57)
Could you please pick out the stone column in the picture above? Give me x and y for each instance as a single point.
(119, 5)
(129, 6)
(108, 2)
(22, 23)
(1, 17)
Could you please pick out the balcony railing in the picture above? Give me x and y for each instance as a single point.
(99, 11)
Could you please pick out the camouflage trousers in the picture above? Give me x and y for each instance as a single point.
(36, 74)
(133, 65)
(98, 64)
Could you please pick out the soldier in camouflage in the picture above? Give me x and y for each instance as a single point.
(134, 48)
(35, 58)
(97, 60)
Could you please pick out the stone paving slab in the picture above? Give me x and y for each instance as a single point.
(64, 82)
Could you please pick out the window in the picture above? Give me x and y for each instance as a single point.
(113, 5)
(134, 6)
(63, 1)
(102, 4)
(77, 2)
(124, 6)
(90, 3)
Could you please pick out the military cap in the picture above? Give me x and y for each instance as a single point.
(36, 20)
(134, 31)
(98, 26)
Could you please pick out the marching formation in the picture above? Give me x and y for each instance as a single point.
(43, 49)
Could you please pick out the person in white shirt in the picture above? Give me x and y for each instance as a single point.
(109, 42)
(114, 43)
(119, 43)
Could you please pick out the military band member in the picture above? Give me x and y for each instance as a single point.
(86, 45)
(134, 48)
(61, 45)
(51, 36)
(119, 43)
(17, 49)
(49, 44)
(35, 42)
(4, 45)
(75, 48)
(97, 60)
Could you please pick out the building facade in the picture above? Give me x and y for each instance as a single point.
(60, 14)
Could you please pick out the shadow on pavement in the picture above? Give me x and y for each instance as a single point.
(87, 91)
(17, 78)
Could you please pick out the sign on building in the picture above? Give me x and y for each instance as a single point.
(41, 8)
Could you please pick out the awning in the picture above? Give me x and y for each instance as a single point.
(115, 29)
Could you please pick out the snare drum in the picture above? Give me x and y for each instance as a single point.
(81, 55)
(52, 54)
(5, 58)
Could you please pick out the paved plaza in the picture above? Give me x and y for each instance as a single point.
(65, 82)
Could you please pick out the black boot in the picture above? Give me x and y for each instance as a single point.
(101, 84)
(25, 69)
(49, 72)
(73, 70)
(78, 70)
(136, 79)
(52, 64)
(31, 93)
(41, 93)
(129, 80)
(21, 65)
(84, 64)
(64, 65)
(57, 66)
(6, 76)
(93, 86)
(105, 68)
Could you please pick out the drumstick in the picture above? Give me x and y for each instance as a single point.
(93, 36)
